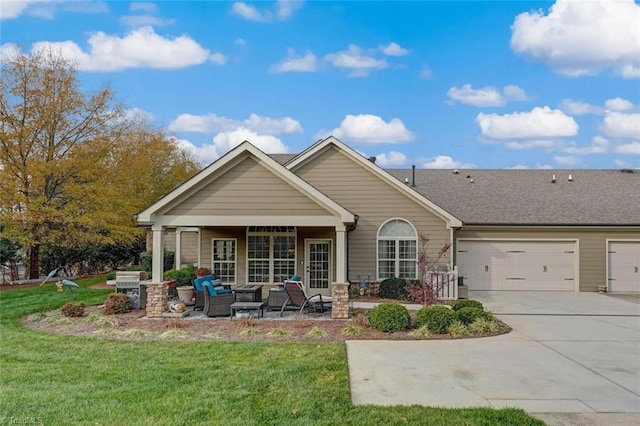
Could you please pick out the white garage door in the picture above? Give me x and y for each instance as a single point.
(517, 265)
(624, 261)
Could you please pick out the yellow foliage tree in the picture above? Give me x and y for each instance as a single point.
(74, 167)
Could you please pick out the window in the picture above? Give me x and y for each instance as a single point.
(224, 260)
(271, 253)
(397, 250)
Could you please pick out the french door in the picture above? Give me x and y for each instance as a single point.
(318, 266)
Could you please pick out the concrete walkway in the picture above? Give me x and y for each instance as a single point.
(568, 353)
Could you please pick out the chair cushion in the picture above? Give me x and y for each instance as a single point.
(210, 288)
(199, 281)
(295, 278)
(221, 290)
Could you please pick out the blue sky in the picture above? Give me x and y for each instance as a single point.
(510, 84)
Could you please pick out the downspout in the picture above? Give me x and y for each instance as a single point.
(349, 229)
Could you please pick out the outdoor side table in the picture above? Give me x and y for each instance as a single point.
(248, 293)
(248, 306)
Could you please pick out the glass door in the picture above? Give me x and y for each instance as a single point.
(318, 267)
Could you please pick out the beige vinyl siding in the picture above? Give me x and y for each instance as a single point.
(374, 201)
(592, 246)
(248, 189)
(188, 248)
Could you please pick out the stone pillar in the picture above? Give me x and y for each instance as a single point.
(340, 301)
(157, 298)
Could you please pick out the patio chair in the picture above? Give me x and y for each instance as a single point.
(298, 300)
(199, 289)
(217, 303)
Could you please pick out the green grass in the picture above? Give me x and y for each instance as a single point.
(65, 380)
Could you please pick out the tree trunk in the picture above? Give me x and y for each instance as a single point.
(34, 262)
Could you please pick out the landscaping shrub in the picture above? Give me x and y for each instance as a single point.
(393, 288)
(111, 276)
(436, 318)
(73, 309)
(116, 303)
(389, 317)
(469, 315)
(466, 303)
(181, 276)
(457, 329)
(484, 326)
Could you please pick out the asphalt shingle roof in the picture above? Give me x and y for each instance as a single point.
(528, 197)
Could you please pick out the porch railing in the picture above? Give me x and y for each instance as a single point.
(445, 283)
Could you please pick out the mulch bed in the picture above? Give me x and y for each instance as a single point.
(134, 326)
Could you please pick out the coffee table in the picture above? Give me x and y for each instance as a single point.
(249, 306)
(248, 293)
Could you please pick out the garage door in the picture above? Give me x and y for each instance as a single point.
(624, 261)
(517, 265)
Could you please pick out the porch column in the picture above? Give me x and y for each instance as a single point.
(178, 257)
(341, 254)
(157, 270)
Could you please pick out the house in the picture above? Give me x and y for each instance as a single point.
(330, 215)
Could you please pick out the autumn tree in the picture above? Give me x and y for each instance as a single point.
(74, 167)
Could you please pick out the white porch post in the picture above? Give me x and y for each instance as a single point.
(341, 254)
(158, 255)
(178, 258)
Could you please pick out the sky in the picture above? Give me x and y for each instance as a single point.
(478, 84)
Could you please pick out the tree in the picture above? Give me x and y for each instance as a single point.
(74, 167)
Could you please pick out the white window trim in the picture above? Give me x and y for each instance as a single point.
(235, 256)
(397, 239)
(293, 234)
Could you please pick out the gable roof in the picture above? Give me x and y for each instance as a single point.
(528, 197)
(310, 153)
(229, 160)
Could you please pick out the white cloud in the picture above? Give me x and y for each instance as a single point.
(46, 9)
(354, 60)
(567, 161)
(143, 6)
(446, 162)
(393, 49)
(545, 144)
(540, 123)
(142, 20)
(283, 10)
(579, 108)
(367, 128)
(139, 48)
(599, 145)
(214, 123)
(486, 96)
(425, 72)
(225, 141)
(392, 158)
(618, 104)
(582, 37)
(630, 148)
(620, 125)
(247, 12)
(306, 63)
(239, 41)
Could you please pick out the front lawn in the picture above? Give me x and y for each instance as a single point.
(55, 379)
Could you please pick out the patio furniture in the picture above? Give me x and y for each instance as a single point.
(298, 300)
(216, 302)
(248, 293)
(199, 289)
(277, 298)
(248, 306)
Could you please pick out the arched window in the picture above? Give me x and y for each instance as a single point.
(397, 250)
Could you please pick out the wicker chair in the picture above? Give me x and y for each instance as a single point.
(218, 305)
(298, 300)
(199, 289)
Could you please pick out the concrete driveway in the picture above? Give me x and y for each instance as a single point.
(567, 353)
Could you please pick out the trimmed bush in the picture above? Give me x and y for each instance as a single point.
(116, 303)
(181, 276)
(393, 288)
(73, 309)
(466, 303)
(469, 315)
(389, 317)
(436, 318)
